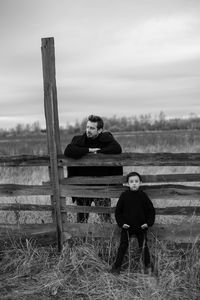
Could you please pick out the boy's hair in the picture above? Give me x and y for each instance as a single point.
(96, 119)
(133, 174)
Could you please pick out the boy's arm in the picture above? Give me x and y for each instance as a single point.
(149, 211)
(74, 149)
(119, 211)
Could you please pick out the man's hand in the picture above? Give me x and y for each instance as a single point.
(144, 226)
(125, 226)
(93, 150)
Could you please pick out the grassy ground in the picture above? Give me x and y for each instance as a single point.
(81, 271)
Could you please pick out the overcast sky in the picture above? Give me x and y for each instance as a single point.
(113, 57)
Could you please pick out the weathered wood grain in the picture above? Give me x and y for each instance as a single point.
(174, 210)
(135, 159)
(190, 177)
(14, 190)
(186, 232)
(24, 161)
(124, 159)
(52, 126)
(182, 233)
(42, 234)
(25, 207)
(166, 191)
(34, 229)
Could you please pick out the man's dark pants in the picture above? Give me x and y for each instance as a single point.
(83, 217)
(141, 236)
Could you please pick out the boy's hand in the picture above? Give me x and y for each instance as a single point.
(125, 226)
(144, 226)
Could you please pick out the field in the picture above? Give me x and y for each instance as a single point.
(166, 141)
(81, 271)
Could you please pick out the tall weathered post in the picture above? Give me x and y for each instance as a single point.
(52, 128)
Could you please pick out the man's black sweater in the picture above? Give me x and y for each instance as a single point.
(79, 147)
(135, 209)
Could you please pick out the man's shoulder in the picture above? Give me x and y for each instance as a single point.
(106, 136)
(78, 137)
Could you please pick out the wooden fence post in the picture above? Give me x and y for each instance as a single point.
(52, 127)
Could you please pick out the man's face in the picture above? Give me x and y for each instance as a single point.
(91, 130)
(134, 183)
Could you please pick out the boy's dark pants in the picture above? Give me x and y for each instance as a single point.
(124, 242)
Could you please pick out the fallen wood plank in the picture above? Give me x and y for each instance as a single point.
(41, 234)
(181, 233)
(185, 232)
(33, 229)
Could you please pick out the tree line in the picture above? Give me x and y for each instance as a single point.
(144, 122)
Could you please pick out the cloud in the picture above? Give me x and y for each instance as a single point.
(111, 56)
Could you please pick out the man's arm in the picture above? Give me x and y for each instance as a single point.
(109, 144)
(74, 149)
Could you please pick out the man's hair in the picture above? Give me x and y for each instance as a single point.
(96, 119)
(133, 174)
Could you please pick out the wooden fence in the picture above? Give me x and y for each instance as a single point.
(159, 187)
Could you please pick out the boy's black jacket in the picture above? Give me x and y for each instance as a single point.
(79, 147)
(135, 209)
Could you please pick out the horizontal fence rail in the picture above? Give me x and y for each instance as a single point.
(173, 210)
(135, 159)
(124, 159)
(162, 191)
(25, 207)
(190, 177)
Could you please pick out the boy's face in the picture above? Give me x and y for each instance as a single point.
(134, 183)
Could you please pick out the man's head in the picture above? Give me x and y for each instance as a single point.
(94, 126)
(134, 180)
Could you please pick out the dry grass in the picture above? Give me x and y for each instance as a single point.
(81, 271)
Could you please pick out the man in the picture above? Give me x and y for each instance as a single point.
(94, 140)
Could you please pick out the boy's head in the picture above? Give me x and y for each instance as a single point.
(134, 180)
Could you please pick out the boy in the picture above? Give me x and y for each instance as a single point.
(134, 214)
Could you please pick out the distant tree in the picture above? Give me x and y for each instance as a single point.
(35, 127)
(19, 129)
